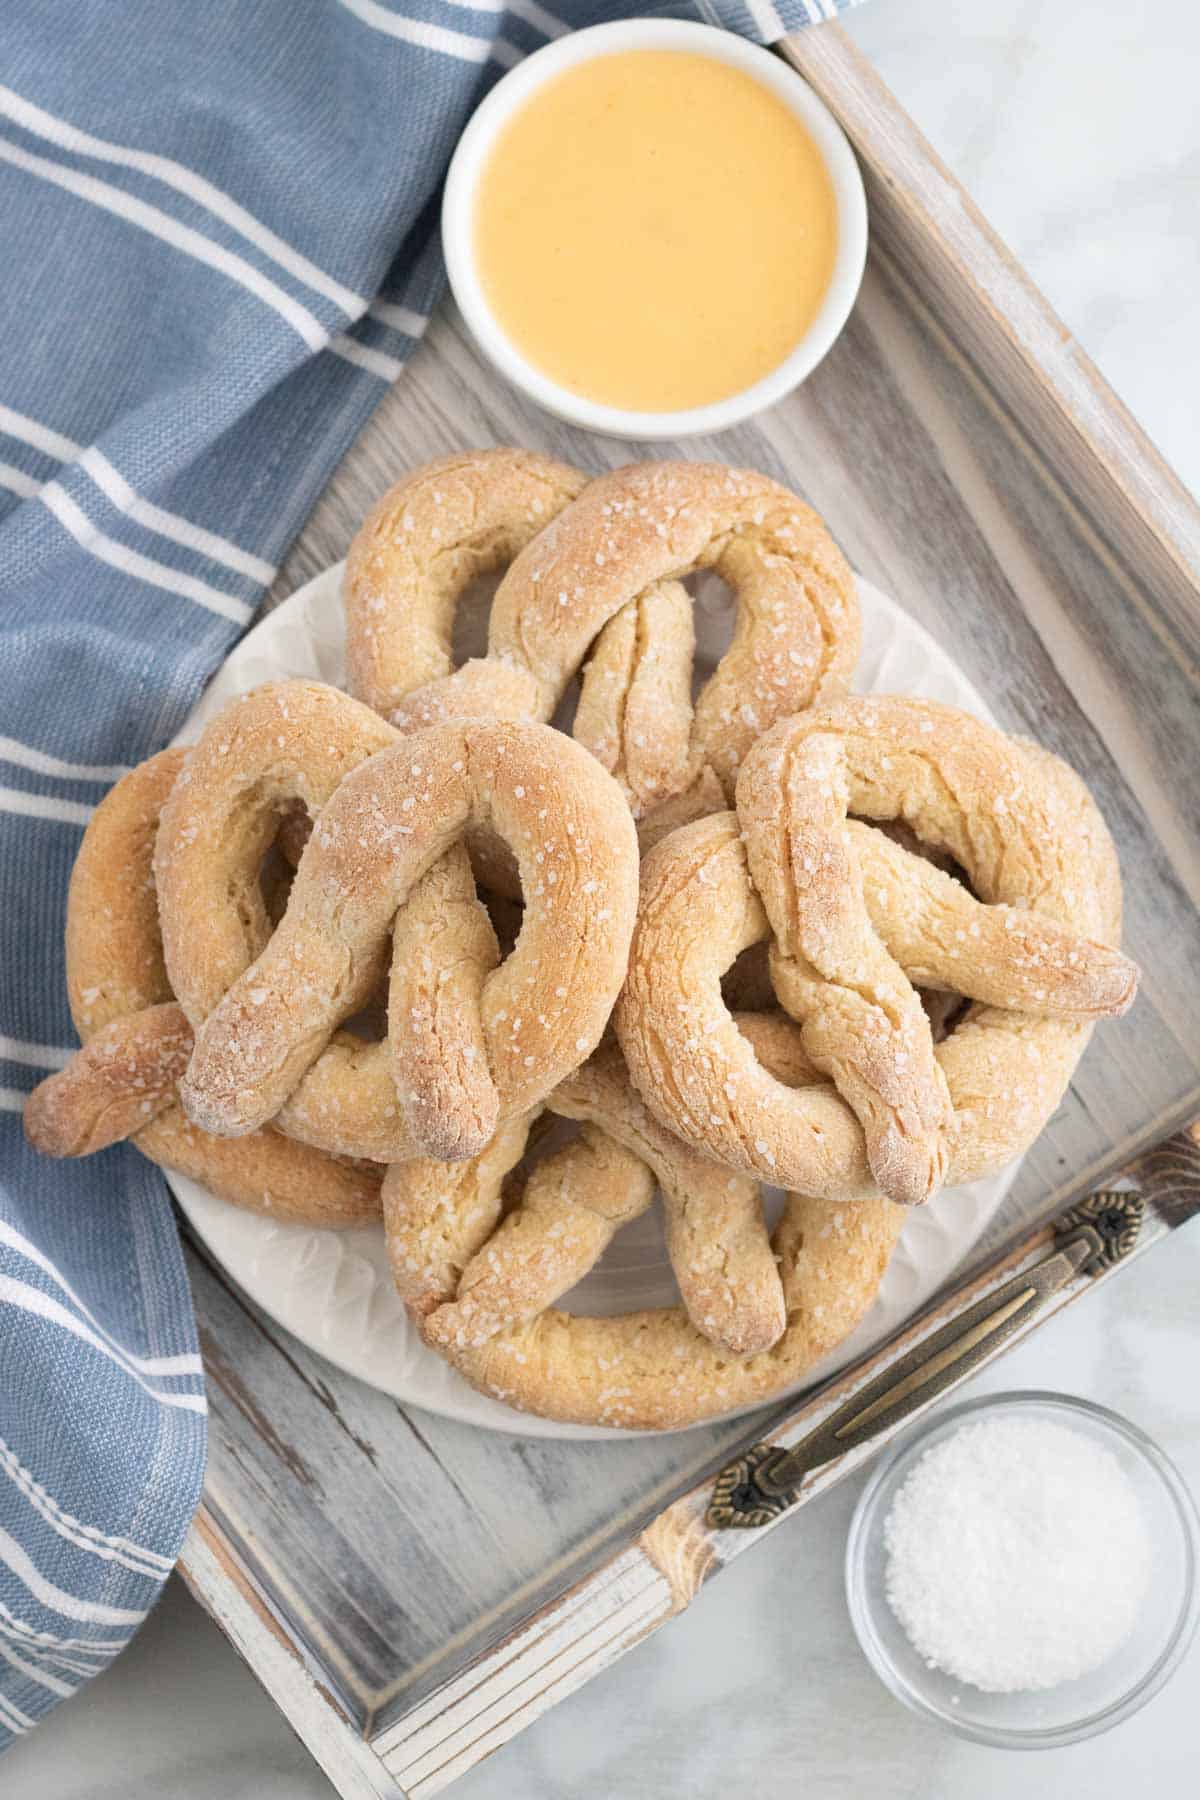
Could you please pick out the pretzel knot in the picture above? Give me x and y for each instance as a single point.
(481, 1269)
(595, 583)
(854, 919)
(469, 1043)
(137, 1040)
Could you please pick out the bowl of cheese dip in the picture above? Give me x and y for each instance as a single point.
(654, 228)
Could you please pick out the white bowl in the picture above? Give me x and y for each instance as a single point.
(511, 92)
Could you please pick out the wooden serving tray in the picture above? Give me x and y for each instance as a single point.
(375, 1564)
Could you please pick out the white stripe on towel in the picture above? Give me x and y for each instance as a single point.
(538, 17)
(181, 237)
(400, 318)
(768, 20)
(41, 806)
(546, 22)
(414, 31)
(112, 483)
(131, 562)
(185, 181)
(46, 1645)
(74, 1667)
(43, 1677)
(186, 1364)
(388, 368)
(33, 1056)
(12, 1717)
(88, 1612)
(41, 1306)
(169, 525)
(85, 1537)
(18, 482)
(57, 767)
(51, 443)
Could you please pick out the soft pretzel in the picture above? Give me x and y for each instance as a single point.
(756, 1315)
(271, 757)
(603, 577)
(524, 1025)
(263, 770)
(137, 1040)
(420, 546)
(451, 1251)
(863, 1022)
(846, 910)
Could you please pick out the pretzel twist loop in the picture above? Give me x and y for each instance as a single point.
(853, 918)
(137, 1039)
(756, 1313)
(595, 584)
(420, 547)
(458, 1061)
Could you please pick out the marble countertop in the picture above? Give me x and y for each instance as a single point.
(1078, 138)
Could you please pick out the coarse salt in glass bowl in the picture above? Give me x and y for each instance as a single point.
(1077, 1708)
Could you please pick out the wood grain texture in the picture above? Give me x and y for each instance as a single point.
(219, 1581)
(657, 1576)
(973, 465)
(924, 221)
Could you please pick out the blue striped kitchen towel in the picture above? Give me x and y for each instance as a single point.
(218, 245)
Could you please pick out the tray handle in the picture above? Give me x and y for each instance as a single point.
(765, 1480)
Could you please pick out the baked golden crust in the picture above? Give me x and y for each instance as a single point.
(716, 1238)
(432, 534)
(598, 589)
(848, 1100)
(538, 1015)
(796, 637)
(283, 747)
(846, 910)
(653, 1371)
(137, 1040)
(274, 754)
(756, 1314)
(471, 1279)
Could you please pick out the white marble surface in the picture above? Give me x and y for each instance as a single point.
(1076, 129)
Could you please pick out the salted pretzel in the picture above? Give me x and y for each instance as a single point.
(756, 1314)
(261, 773)
(421, 545)
(137, 1040)
(510, 1033)
(468, 1272)
(619, 551)
(601, 578)
(262, 769)
(854, 919)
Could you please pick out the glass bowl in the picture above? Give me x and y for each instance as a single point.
(1075, 1709)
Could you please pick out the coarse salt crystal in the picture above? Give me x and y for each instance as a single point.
(1017, 1554)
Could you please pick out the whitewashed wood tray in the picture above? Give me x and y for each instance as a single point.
(412, 1590)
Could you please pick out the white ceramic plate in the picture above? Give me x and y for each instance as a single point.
(333, 1289)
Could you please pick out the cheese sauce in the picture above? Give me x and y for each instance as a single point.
(654, 230)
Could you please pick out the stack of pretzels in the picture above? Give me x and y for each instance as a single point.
(349, 959)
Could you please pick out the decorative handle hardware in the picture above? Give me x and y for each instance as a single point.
(766, 1479)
